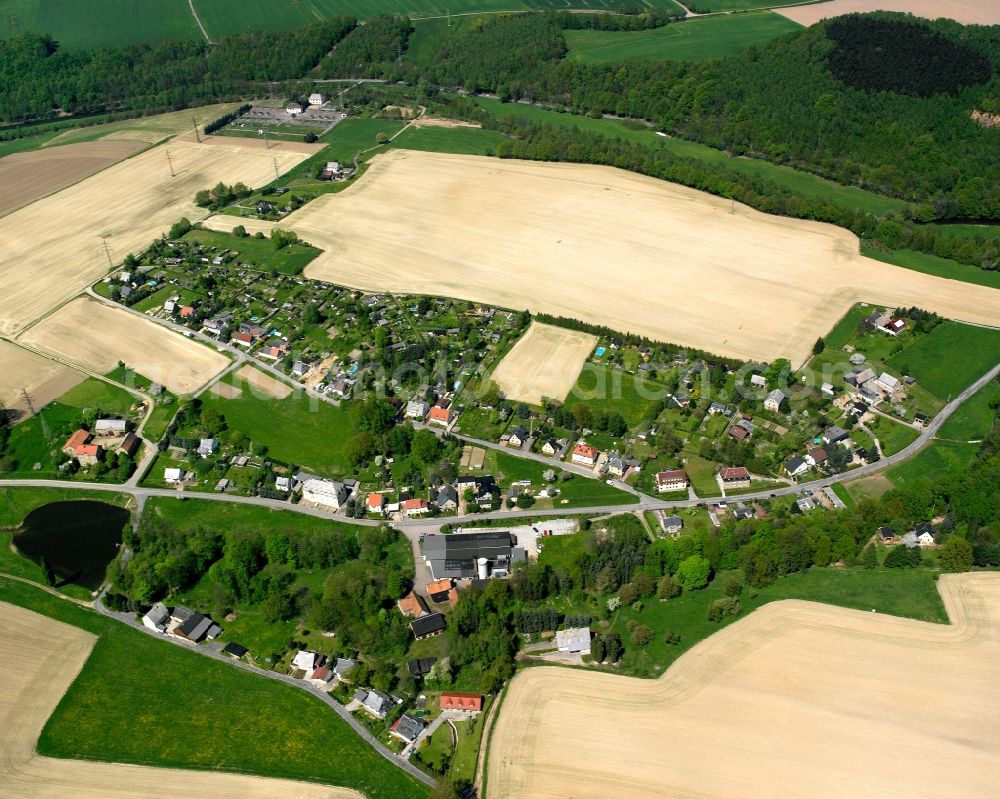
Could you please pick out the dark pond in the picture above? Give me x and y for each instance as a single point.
(79, 539)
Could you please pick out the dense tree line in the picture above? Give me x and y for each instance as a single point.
(918, 61)
(37, 77)
(368, 49)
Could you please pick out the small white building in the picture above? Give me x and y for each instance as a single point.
(305, 660)
(772, 402)
(575, 639)
(758, 381)
(328, 493)
(207, 447)
(315, 99)
(157, 618)
(173, 475)
(416, 409)
(283, 484)
(293, 109)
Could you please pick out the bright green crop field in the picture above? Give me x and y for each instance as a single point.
(692, 40)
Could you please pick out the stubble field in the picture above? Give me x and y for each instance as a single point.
(31, 687)
(26, 177)
(43, 379)
(97, 336)
(55, 248)
(797, 699)
(968, 12)
(609, 247)
(545, 362)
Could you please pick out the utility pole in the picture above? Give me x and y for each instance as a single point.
(31, 410)
(107, 251)
(171, 162)
(196, 134)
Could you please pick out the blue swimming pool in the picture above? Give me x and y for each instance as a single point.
(600, 351)
(353, 369)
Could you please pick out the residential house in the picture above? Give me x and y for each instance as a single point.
(719, 407)
(315, 99)
(321, 677)
(300, 368)
(550, 447)
(447, 499)
(816, 456)
(758, 381)
(305, 661)
(328, 493)
(293, 109)
(734, 477)
(795, 466)
(234, 650)
(925, 535)
(407, 728)
(859, 376)
(110, 427)
(894, 326)
(207, 447)
(173, 476)
(415, 507)
(412, 605)
(672, 524)
(196, 628)
(772, 402)
(342, 667)
(453, 700)
(79, 446)
(439, 590)
(827, 388)
(440, 414)
(584, 454)
(273, 350)
(742, 513)
(222, 485)
(575, 640)
(518, 437)
(375, 503)
(878, 318)
(186, 311)
(615, 464)
(428, 626)
(805, 503)
(283, 484)
(886, 534)
(859, 408)
(340, 387)
(834, 435)
(739, 432)
(421, 667)
(672, 480)
(157, 618)
(887, 383)
(374, 702)
(416, 409)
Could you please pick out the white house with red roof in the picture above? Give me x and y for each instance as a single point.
(584, 454)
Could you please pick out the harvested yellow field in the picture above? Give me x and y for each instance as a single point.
(545, 362)
(54, 248)
(44, 379)
(968, 12)
(797, 699)
(150, 129)
(30, 689)
(610, 247)
(263, 385)
(97, 336)
(29, 176)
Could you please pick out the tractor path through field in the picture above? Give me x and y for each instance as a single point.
(194, 13)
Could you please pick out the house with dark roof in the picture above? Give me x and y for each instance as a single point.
(518, 436)
(234, 650)
(374, 702)
(795, 466)
(447, 499)
(421, 666)
(197, 627)
(407, 728)
(427, 626)
(439, 590)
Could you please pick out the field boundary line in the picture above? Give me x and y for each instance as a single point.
(194, 13)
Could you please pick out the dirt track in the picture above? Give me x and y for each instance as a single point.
(97, 336)
(545, 362)
(26, 177)
(968, 12)
(610, 247)
(39, 659)
(798, 699)
(54, 248)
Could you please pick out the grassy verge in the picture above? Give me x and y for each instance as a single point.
(933, 265)
(229, 720)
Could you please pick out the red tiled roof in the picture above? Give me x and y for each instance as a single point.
(77, 440)
(414, 504)
(457, 701)
(671, 475)
(187, 310)
(453, 596)
(320, 674)
(412, 605)
(246, 338)
(734, 473)
(585, 450)
(375, 501)
(439, 414)
(438, 586)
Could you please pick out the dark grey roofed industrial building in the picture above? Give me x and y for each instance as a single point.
(456, 555)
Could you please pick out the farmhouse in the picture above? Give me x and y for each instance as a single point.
(157, 618)
(734, 477)
(452, 700)
(375, 503)
(129, 445)
(673, 480)
(110, 427)
(415, 507)
(772, 402)
(887, 383)
(585, 454)
(78, 446)
(466, 555)
(293, 109)
(575, 640)
(428, 626)
(315, 99)
(328, 493)
(440, 414)
(196, 628)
